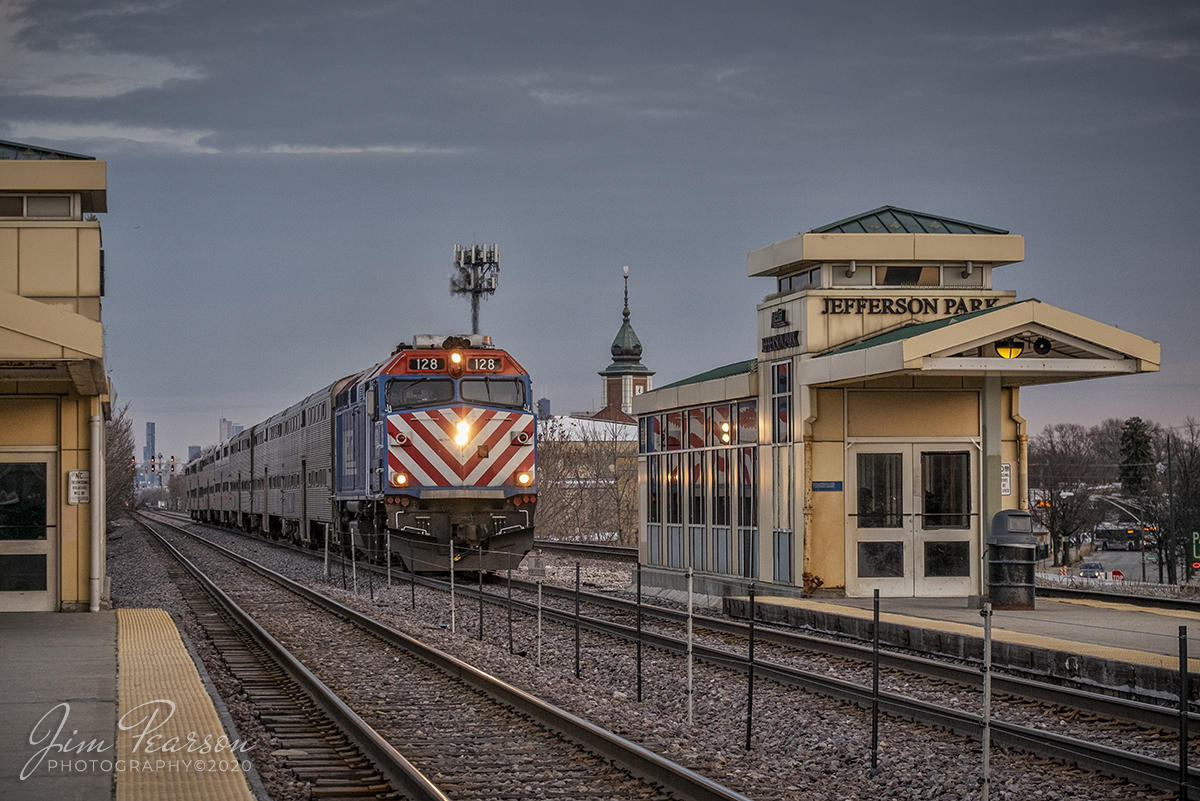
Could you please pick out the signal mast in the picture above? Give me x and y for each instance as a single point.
(478, 268)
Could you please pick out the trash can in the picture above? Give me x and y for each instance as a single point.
(1012, 560)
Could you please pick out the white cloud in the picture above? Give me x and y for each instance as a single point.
(75, 70)
(179, 140)
(1099, 39)
(173, 139)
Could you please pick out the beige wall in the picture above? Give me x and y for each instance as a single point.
(50, 295)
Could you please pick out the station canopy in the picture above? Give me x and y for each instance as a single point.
(1024, 343)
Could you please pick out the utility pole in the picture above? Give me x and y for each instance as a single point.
(478, 269)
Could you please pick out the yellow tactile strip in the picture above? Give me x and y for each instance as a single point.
(170, 742)
(1004, 635)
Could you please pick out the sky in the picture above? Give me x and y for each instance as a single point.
(287, 180)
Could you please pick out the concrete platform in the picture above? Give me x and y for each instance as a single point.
(1111, 646)
(108, 705)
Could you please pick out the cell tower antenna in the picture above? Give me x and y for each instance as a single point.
(478, 268)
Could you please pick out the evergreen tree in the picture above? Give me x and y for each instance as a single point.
(1136, 470)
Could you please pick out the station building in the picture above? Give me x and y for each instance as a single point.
(878, 430)
(54, 393)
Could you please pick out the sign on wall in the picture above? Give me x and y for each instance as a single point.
(79, 487)
(1005, 478)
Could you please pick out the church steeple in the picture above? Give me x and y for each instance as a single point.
(626, 376)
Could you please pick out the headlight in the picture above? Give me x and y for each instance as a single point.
(525, 479)
(464, 432)
(400, 479)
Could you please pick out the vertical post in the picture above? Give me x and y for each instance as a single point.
(326, 551)
(875, 687)
(1183, 714)
(412, 575)
(389, 556)
(987, 696)
(689, 647)
(576, 620)
(750, 671)
(354, 567)
(539, 626)
(507, 559)
(452, 586)
(481, 593)
(639, 632)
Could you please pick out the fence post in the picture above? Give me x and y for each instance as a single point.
(750, 671)
(875, 688)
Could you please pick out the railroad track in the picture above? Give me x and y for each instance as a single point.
(1141, 769)
(322, 742)
(475, 736)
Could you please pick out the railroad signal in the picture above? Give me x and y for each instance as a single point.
(172, 464)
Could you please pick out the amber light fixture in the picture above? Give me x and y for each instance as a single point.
(1010, 348)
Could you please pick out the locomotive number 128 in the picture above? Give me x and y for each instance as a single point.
(485, 364)
(427, 363)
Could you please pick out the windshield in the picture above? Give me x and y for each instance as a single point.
(509, 392)
(415, 392)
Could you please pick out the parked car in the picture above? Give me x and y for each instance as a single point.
(1091, 570)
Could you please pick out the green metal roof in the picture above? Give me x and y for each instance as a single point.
(737, 368)
(912, 330)
(895, 220)
(17, 151)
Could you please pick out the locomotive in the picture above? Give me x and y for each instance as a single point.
(425, 457)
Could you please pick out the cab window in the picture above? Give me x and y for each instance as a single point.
(507, 392)
(416, 392)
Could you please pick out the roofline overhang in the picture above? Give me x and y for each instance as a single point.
(1111, 351)
(812, 249)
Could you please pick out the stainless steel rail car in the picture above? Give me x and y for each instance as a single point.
(430, 451)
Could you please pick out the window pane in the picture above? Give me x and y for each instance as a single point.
(23, 501)
(674, 430)
(881, 560)
(906, 276)
(945, 490)
(748, 488)
(412, 393)
(36, 206)
(653, 497)
(720, 431)
(697, 487)
(947, 559)
(23, 573)
(12, 206)
(507, 392)
(695, 428)
(674, 489)
(748, 422)
(880, 486)
(721, 500)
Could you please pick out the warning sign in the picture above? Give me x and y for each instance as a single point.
(79, 487)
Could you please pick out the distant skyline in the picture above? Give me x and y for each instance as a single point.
(287, 180)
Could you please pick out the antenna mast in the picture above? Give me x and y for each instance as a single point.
(478, 268)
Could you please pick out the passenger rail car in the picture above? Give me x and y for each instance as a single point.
(434, 447)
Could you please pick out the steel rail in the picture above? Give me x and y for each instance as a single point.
(612, 553)
(642, 762)
(1128, 711)
(1140, 769)
(390, 763)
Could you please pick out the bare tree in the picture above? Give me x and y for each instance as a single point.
(587, 480)
(119, 492)
(1064, 472)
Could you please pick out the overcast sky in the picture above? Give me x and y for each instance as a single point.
(287, 180)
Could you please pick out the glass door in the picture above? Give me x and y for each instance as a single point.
(28, 533)
(879, 520)
(912, 521)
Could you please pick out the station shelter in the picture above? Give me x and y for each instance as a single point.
(878, 430)
(54, 392)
